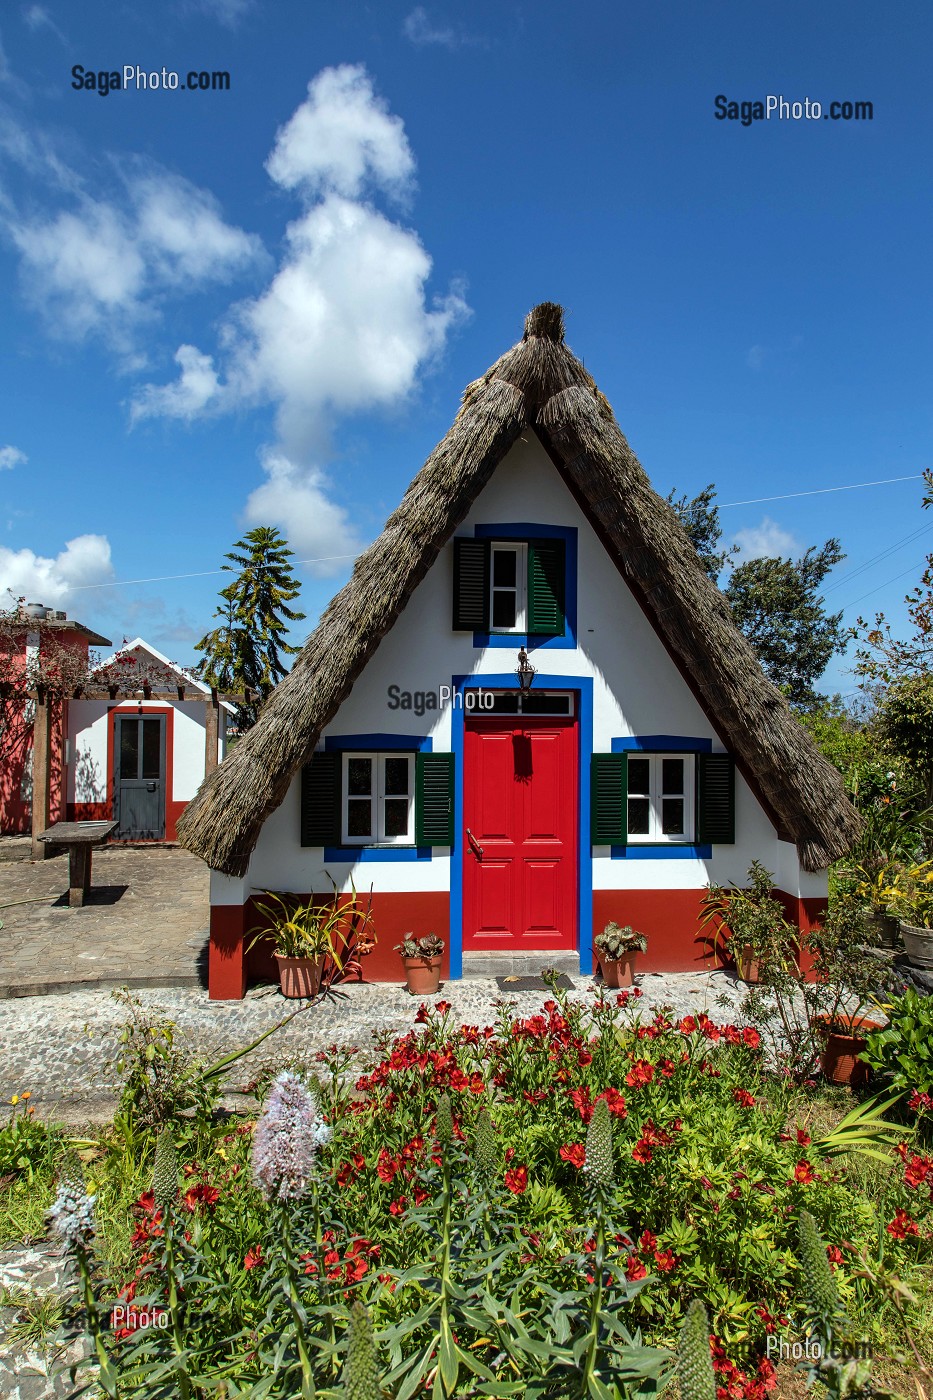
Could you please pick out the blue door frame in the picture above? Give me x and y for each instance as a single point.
(505, 680)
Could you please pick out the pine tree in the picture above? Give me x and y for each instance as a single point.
(243, 653)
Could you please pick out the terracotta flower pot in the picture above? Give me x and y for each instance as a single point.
(618, 972)
(918, 943)
(300, 977)
(845, 1041)
(423, 975)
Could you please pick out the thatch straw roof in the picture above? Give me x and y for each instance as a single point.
(538, 384)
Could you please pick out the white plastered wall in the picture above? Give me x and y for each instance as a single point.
(87, 746)
(637, 689)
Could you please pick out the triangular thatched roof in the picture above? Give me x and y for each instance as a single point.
(537, 384)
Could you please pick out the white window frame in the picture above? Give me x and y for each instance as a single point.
(655, 835)
(377, 800)
(520, 549)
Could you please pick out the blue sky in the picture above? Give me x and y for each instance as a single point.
(261, 305)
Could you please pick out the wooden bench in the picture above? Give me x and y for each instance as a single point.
(78, 838)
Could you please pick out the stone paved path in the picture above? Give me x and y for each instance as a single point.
(58, 1047)
(146, 922)
(29, 1372)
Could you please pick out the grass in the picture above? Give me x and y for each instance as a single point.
(37, 1318)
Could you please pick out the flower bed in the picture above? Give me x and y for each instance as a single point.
(454, 1188)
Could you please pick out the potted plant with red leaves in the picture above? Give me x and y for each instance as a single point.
(616, 949)
(421, 958)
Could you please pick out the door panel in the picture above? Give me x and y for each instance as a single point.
(520, 807)
(139, 780)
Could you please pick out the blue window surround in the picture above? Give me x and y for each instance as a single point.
(583, 685)
(527, 531)
(661, 743)
(377, 743)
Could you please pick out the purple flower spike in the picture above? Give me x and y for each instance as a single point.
(286, 1140)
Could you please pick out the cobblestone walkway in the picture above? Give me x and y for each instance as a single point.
(58, 1047)
(145, 924)
(30, 1371)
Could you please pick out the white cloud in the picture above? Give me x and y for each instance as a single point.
(419, 29)
(11, 457)
(229, 12)
(343, 326)
(765, 541)
(101, 267)
(296, 498)
(37, 17)
(84, 560)
(341, 139)
(188, 397)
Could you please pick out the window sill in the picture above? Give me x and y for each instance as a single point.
(662, 850)
(378, 853)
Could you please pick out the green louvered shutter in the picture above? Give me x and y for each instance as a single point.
(546, 572)
(434, 799)
(716, 799)
(471, 585)
(608, 799)
(320, 800)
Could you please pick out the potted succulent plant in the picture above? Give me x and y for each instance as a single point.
(421, 958)
(909, 896)
(303, 937)
(616, 948)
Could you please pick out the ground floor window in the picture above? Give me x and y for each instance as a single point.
(660, 797)
(378, 799)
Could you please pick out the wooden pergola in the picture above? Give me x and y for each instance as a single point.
(42, 735)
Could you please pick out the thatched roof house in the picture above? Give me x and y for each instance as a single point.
(538, 392)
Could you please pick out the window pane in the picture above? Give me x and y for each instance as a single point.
(672, 816)
(397, 777)
(638, 816)
(359, 776)
(503, 609)
(503, 567)
(672, 779)
(359, 818)
(545, 704)
(638, 780)
(502, 705)
(129, 748)
(396, 816)
(152, 766)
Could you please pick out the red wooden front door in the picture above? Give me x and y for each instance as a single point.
(520, 842)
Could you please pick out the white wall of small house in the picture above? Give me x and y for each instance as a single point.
(637, 690)
(87, 746)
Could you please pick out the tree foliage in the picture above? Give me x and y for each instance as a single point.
(700, 519)
(905, 721)
(244, 651)
(777, 605)
(883, 657)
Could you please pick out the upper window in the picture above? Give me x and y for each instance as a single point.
(660, 797)
(378, 799)
(510, 586)
(508, 573)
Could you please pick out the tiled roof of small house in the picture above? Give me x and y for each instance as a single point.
(538, 384)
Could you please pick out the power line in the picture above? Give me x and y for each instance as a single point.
(823, 491)
(876, 558)
(204, 573)
(882, 585)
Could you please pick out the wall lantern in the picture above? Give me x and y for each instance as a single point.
(525, 672)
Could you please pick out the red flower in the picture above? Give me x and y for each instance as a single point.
(803, 1172)
(803, 1138)
(582, 1102)
(350, 1169)
(200, 1195)
(834, 1254)
(666, 1067)
(743, 1098)
(641, 1152)
(387, 1165)
(442, 1006)
(516, 1180)
(902, 1225)
(398, 1207)
(635, 1269)
(574, 1153)
(253, 1257)
(615, 1102)
(687, 1026)
(421, 1015)
(665, 1260)
(648, 1242)
(751, 1037)
(642, 1072)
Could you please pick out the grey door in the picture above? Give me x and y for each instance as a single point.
(139, 800)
